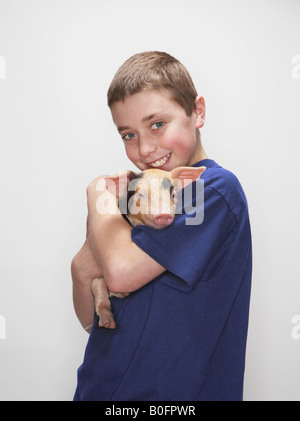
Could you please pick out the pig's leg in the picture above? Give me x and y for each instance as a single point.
(102, 304)
(118, 294)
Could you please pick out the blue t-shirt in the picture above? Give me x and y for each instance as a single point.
(181, 337)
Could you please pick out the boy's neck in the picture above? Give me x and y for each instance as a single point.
(202, 153)
(199, 154)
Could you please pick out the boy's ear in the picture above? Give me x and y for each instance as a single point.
(117, 184)
(200, 111)
(184, 176)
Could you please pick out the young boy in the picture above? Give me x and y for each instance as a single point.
(181, 333)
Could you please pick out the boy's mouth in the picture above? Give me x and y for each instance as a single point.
(159, 162)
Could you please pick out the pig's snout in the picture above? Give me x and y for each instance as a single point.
(163, 220)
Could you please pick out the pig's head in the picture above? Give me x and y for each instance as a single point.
(150, 196)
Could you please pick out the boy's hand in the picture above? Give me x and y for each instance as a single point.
(101, 196)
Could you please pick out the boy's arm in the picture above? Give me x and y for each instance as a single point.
(125, 266)
(84, 270)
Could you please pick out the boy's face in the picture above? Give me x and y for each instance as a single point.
(156, 131)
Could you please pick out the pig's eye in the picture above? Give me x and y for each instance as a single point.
(157, 125)
(140, 194)
(172, 192)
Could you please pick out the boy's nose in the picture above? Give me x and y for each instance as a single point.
(146, 145)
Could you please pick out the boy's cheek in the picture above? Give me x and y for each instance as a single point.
(180, 147)
(130, 155)
(178, 139)
(134, 158)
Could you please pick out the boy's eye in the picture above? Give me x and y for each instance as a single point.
(128, 136)
(157, 125)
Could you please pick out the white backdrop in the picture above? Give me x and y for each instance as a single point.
(57, 58)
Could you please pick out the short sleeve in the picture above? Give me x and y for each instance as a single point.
(190, 253)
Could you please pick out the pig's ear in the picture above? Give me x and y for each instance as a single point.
(117, 184)
(186, 175)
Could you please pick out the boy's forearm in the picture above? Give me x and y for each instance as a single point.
(84, 270)
(125, 266)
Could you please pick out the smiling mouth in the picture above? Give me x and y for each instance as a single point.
(160, 162)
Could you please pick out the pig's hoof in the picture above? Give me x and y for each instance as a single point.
(119, 294)
(106, 319)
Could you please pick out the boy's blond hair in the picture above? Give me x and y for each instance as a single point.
(153, 70)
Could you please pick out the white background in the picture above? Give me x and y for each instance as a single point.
(56, 134)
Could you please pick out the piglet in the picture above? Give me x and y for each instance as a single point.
(148, 198)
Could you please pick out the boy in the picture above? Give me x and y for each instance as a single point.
(182, 331)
